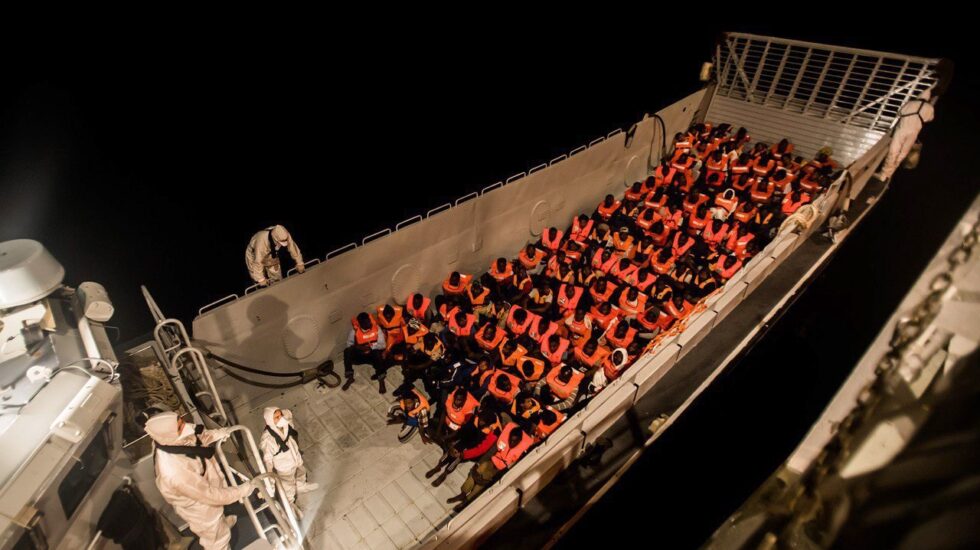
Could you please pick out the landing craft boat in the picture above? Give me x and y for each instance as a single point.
(70, 398)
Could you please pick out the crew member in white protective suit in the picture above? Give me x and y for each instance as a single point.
(280, 452)
(262, 254)
(188, 477)
(912, 117)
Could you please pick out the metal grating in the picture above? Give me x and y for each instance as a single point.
(861, 90)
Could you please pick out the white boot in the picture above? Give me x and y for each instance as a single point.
(230, 521)
(304, 487)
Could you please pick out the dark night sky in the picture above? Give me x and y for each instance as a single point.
(153, 160)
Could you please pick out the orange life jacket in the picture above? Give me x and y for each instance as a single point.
(480, 298)
(511, 360)
(690, 206)
(489, 345)
(593, 360)
(783, 184)
(762, 195)
(810, 184)
(603, 320)
(542, 430)
(673, 218)
(554, 355)
(650, 202)
(414, 412)
(622, 245)
(581, 233)
(392, 327)
(512, 325)
(660, 175)
(579, 329)
(418, 313)
(365, 337)
(534, 331)
(737, 244)
(683, 167)
(606, 212)
(695, 223)
(745, 212)
(455, 418)
(528, 262)
(461, 330)
(412, 338)
(464, 281)
(742, 182)
(565, 302)
(560, 389)
(678, 249)
(503, 396)
(537, 368)
(622, 273)
(660, 238)
(506, 456)
(727, 272)
(632, 309)
(644, 222)
(634, 196)
(623, 342)
(777, 154)
(760, 169)
(662, 267)
(501, 276)
(713, 238)
(727, 200)
(548, 242)
(610, 370)
(790, 206)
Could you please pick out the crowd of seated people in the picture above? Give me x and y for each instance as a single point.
(506, 356)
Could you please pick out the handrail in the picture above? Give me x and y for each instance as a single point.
(597, 141)
(557, 159)
(373, 236)
(615, 132)
(466, 197)
(515, 177)
(438, 209)
(489, 188)
(409, 221)
(216, 303)
(541, 166)
(205, 372)
(341, 250)
(288, 527)
(307, 263)
(251, 289)
(577, 150)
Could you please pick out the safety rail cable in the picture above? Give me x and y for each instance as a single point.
(861, 88)
(279, 505)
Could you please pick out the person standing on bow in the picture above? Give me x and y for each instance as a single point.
(262, 254)
(280, 452)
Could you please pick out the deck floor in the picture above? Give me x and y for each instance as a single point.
(373, 492)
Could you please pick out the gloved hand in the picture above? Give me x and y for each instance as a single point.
(221, 434)
(300, 268)
(264, 282)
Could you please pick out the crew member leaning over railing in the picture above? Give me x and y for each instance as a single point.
(507, 355)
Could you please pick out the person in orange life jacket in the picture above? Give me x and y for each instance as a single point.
(531, 368)
(698, 219)
(559, 388)
(412, 411)
(460, 416)
(793, 201)
(619, 334)
(612, 366)
(761, 190)
(682, 144)
(541, 328)
(683, 273)
(745, 213)
(782, 180)
(607, 208)
(680, 306)
(581, 229)
(682, 243)
(740, 171)
(511, 446)
(602, 290)
(632, 302)
(579, 325)
(683, 163)
(602, 314)
(501, 273)
(784, 147)
(412, 332)
(473, 441)
(574, 252)
(656, 198)
(502, 387)
(645, 218)
(518, 321)
(551, 240)
(652, 322)
(815, 181)
(521, 287)
(546, 422)
(604, 259)
(531, 257)
(365, 344)
(568, 298)
(765, 219)
(682, 180)
(663, 262)
(601, 236)
(673, 218)
(427, 352)
(738, 239)
(662, 290)
(622, 269)
(391, 319)
(635, 192)
(475, 383)
(454, 287)
(417, 306)
(704, 283)
(489, 337)
(714, 233)
(727, 266)
(642, 279)
(565, 274)
(692, 201)
(585, 276)
(623, 242)
(644, 250)
(553, 348)
(540, 298)
(823, 159)
(554, 262)
(478, 299)
(659, 234)
(717, 163)
(590, 354)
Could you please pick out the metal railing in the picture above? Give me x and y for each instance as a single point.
(862, 88)
(418, 218)
(285, 523)
(175, 344)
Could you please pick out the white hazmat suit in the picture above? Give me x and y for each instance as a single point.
(194, 486)
(913, 115)
(262, 254)
(280, 452)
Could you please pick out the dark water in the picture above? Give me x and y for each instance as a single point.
(155, 168)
